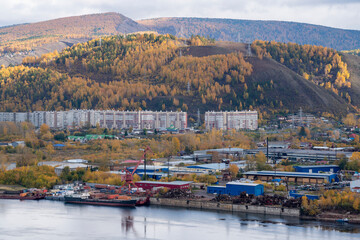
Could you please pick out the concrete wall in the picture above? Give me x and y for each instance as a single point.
(226, 207)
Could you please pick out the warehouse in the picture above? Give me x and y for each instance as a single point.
(296, 177)
(317, 168)
(299, 154)
(172, 185)
(149, 169)
(217, 166)
(235, 188)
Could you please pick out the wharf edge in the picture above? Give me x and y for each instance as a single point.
(279, 211)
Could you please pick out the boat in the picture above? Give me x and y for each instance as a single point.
(22, 196)
(143, 202)
(342, 220)
(128, 202)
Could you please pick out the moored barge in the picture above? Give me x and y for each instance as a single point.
(101, 202)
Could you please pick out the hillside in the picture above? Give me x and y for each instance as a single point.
(161, 72)
(17, 57)
(250, 30)
(25, 37)
(354, 69)
(293, 90)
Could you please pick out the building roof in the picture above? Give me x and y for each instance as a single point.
(59, 145)
(243, 183)
(72, 165)
(290, 174)
(219, 150)
(76, 161)
(216, 166)
(317, 166)
(150, 167)
(178, 183)
(50, 163)
(217, 186)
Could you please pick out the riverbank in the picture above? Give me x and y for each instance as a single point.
(265, 210)
(197, 204)
(333, 217)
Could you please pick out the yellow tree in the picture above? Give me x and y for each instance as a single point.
(349, 120)
(175, 144)
(233, 170)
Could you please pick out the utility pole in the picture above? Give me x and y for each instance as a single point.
(267, 149)
(169, 167)
(198, 118)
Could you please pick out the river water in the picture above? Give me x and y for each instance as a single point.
(55, 220)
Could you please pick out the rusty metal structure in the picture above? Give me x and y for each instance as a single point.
(129, 176)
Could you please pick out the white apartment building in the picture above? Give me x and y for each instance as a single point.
(106, 119)
(231, 120)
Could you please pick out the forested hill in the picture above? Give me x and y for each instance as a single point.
(161, 72)
(250, 30)
(25, 37)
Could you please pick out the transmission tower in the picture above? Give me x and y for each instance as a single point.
(198, 117)
(249, 48)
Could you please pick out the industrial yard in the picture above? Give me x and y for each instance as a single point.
(285, 172)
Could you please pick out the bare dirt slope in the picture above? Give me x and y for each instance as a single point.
(16, 58)
(353, 63)
(293, 90)
(220, 47)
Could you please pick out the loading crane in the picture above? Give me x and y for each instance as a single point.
(129, 176)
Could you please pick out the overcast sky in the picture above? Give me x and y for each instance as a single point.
(333, 13)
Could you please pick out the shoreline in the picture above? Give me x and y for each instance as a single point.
(265, 210)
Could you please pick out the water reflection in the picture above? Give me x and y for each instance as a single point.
(127, 223)
(55, 220)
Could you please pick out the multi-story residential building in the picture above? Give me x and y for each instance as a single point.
(231, 120)
(106, 118)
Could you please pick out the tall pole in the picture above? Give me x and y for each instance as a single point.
(267, 149)
(145, 177)
(169, 167)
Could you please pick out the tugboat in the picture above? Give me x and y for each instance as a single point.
(143, 202)
(117, 201)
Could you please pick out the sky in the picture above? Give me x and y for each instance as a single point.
(333, 13)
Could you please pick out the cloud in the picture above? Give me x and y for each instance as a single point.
(334, 13)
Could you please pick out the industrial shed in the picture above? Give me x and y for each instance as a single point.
(317, 168)
(235, 188)
(172, 185)
(296, 177)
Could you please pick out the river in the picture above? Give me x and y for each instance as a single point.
(55, 220)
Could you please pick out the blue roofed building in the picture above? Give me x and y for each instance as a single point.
(317, 168)
(149, 169)
(236, 188)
